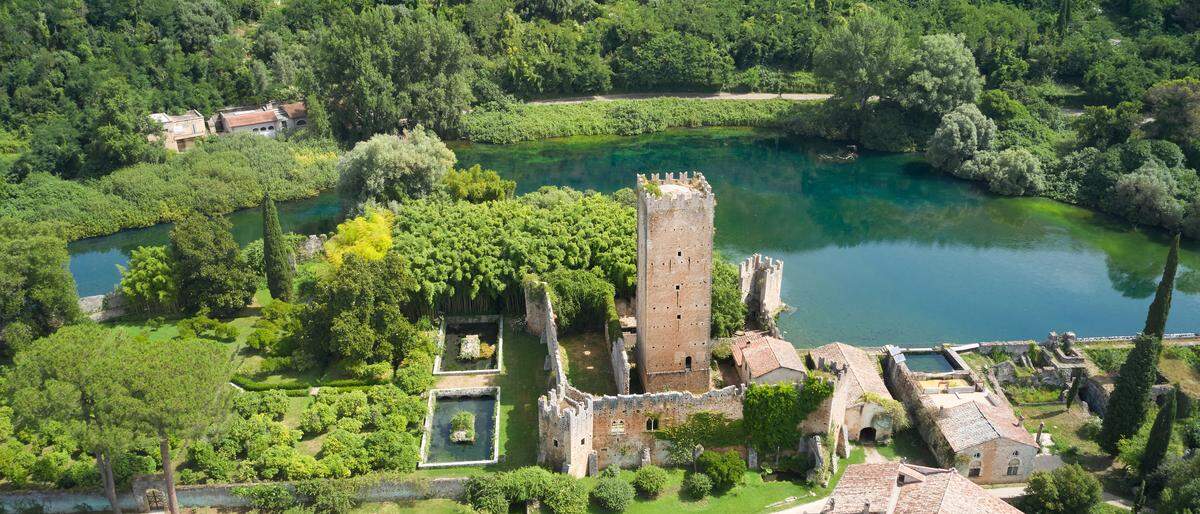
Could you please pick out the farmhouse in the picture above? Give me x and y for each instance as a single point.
(181, 132)
(268, 119)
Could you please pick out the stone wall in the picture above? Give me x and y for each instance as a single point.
(674, 285)
(103, 307)
(622, 431)
(215, 495)
(539, 319)
(620, 364)
(761, 280)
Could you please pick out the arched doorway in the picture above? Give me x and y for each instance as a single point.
(867, 435)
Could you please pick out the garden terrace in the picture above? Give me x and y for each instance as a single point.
(483, 336)
(587, 362)
(437, 447)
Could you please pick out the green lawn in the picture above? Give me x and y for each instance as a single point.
(414, 506)
(1067, 430)
(588, 366)
(909, 446)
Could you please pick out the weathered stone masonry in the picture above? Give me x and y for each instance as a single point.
(674, 288)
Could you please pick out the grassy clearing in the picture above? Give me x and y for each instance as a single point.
(909, 446)
(1067, 428)
(414, 506)
(588, 366)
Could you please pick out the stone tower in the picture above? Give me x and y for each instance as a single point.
(674, 288)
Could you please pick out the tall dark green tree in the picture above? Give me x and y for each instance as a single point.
(1063, 23)
(1127, 405)
(1160, 435)
(277, 261)
(1156, 319)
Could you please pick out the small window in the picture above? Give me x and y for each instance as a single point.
(301, 123)
(582, 442)
(651, 423)
(679, 253)
(973, 472)
(556, 443)
(679, 316)
(676, 287)
(617, 426)
(1014, 467)
(687, 363)
(1017, 453)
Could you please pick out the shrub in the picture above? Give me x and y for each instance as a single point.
(328, 496)
(317, 418)
(267, 497)
(393, 451)
(464, 421)
(650, 480)
(725, 469)
(1066, 490)
(613, 494)
(493, 493)
(697, 485)
(722, 351)
(272, 404)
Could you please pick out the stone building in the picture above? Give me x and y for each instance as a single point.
(179, 133)
(674, 286)
(763, 359)
(268, 119)
(966, 426)
(857, 393)
(895, 487)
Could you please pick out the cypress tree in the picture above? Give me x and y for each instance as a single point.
(276, 254)
(1160, 435)
(1064, 16)
(1156, 319)
(1127, 404)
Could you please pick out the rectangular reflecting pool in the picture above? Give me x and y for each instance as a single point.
(439, 449)
(928, 362)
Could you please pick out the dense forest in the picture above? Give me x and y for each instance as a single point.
(1070, 85)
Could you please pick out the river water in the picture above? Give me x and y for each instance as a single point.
(883, 250)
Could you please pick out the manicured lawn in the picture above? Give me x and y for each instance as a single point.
(1104, 508)
(1067, 430)
(909, 446)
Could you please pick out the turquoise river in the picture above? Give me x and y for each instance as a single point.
(883, 250)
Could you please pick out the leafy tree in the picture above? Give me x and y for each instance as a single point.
(728, 310)
(367, 237)
(1160, 436)
(277, 254)
(963, 133)
(357, 314)
(389, 168)
(210, 272)
(197, 23)
(39, 292)
(381, 68)
(672, 61)
(179, 397)
(1101, 126)
(1175, 107)
(477, 185)
(148, 284)
(1065, 16)
(1147, 196)
(941, 76)
(543, 58)
(72, 377)
(1067, 490)
(726, 469)
(862, 58)
(1014, 171)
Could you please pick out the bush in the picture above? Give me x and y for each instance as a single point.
(725, 469)
(272, 404)
(650, 480)
(267, 497)
(328, 496)
(613, 494)
(493, 493)
(1066, 490)
(697, 485)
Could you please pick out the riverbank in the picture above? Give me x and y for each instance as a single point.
(630, 115)
(222, 175)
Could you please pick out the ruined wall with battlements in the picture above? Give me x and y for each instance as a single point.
(674, 288)
(761, 286)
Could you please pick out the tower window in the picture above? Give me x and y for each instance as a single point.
(679, 253)
(679, 316)
(687, 363)
(651, 423)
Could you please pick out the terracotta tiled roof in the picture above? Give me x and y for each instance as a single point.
(896, 488)
(973, 423)
(295, 110)
(764, 354)
(242, 119)
(863, 374)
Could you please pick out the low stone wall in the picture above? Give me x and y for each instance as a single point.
(620, 364)
(219, 496)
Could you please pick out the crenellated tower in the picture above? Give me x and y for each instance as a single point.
(674, 287)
